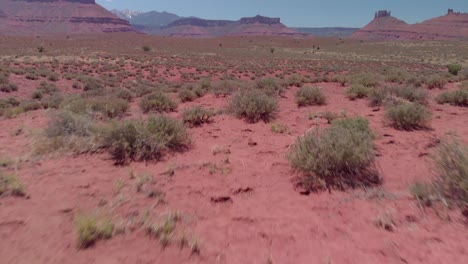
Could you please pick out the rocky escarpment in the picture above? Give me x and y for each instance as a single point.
(247, 26)
(50, 17)
(452, 26)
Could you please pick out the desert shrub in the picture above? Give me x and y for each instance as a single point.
(157, 102)
(254, 106)
(122, 94)
(226, 87)
(202, 88)
(307, 96)
(47, 88)
(67, 123)
(136, 140)
(187, 95)
(37, 94)
(294, 80)
(278, 128)
(451, 167)
(341, 156)
(146, 48)
(436, 81)
(31, 76)
(11, 185)
(106, 106)
(416, 81)
(408, 116)
(8, 87)
(90, 229)
(412, 94)
(464, 85)
(53, 77)
(357, 91)
(378, 96)
(422, 192)
(396, 76)
(196, 116)
(110, 107)
(54, 101)
(30, 105)
(454, 69)
(91, 84)
(456, 98)
(143, 89)
(270, 86)
(366, 80)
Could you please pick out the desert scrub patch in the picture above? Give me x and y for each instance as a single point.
(157, 102)
(408, 116)
(196, 116)
(69, 131)
(308, 96)
(436, 81)
(340, 156)
(279, 128)
(90, 228)
(11, 185)
(99, 106)
(454, 69)
(294, 80)
(357, 91)
(378, 96)
(254, 106)
(187, 95)
(456, 98)
(138, 140)
(366, 80)
(270, 86)
(451, 168)
(395, 75)
(409, 93)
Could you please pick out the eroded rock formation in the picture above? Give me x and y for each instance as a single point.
(50, 17)
(452, 26)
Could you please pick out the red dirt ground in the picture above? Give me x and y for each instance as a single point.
(268, 220)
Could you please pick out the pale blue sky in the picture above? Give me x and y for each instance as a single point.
(295, 13)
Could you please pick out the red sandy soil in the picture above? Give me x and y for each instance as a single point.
(268, 219)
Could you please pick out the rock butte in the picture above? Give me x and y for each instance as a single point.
(247, 26)
(51, 17)
(452, 26)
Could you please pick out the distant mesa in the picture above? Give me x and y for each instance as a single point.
(53, 17)
(452, 26)
(246, 26)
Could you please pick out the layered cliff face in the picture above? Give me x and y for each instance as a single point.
(453, 26)
(50, 17)
(248, 26)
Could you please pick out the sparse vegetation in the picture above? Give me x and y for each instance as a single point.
(137, 140)
(254, 106)
(307, 96)
(196, 116)
(408, 116)
(357, 91)
(157, 102)
(454, 69)
(451, 167)
(90, 228)
(340, 156)
(456, 98)
(11, 185)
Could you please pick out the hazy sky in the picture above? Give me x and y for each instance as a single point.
(312, 13)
